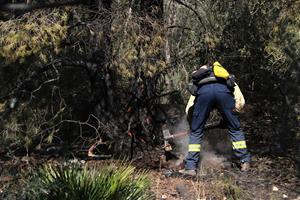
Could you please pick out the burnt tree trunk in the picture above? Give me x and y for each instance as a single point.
(101, 79)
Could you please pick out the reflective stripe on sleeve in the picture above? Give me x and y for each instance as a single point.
(239, 145)
(194, 147)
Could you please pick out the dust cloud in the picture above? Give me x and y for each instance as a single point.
(215, 146)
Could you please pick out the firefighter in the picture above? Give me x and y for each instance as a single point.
(211, 94)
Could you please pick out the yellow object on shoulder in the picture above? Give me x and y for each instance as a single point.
(220, 71)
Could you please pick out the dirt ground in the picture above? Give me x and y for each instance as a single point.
(269, 178)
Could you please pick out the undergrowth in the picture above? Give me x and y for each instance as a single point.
(73, 182)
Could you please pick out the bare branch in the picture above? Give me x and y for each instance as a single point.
(181, 27)
(192, 9)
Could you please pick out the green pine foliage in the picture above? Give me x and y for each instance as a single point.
(38, 34)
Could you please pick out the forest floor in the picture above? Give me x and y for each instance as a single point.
(271, 177)
(268, 179)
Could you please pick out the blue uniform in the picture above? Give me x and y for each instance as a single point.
(209, 96)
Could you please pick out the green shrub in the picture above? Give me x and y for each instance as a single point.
(89, 183)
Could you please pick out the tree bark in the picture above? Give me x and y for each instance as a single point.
(102, 77)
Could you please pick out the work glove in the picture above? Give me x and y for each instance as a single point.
(189, 104)
(239, 99)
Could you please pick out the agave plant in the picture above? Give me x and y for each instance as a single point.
(115, 182)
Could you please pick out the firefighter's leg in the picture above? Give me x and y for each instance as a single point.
(203, 105)
(226, 106)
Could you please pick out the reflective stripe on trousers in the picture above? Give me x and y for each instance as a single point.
(239, 145)
(194, 147)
